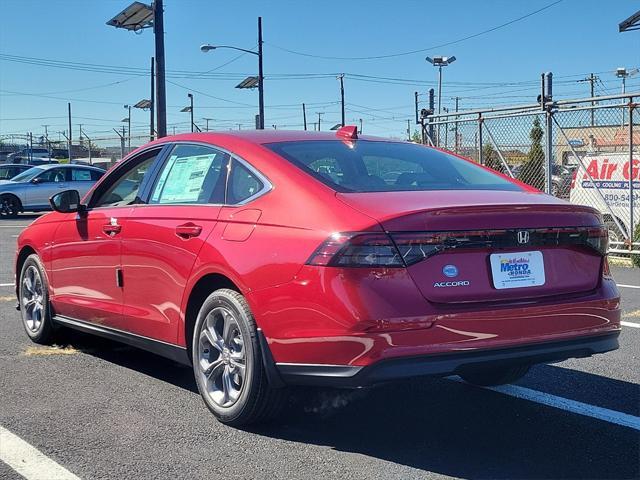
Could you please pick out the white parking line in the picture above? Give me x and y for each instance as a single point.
(628, 286)
(28, 461)
(630, 324)
(6, 284)
(573, 406)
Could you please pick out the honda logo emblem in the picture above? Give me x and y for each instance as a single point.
(523, 236)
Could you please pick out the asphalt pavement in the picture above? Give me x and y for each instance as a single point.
(103, 410)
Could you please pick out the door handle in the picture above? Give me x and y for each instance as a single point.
(188, 230)
(110, 229)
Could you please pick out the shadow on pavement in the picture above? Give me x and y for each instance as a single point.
(437, 425)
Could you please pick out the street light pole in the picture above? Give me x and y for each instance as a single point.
(260, 75)
(341, 78)
(152, 102)
(191, 109)
(161, 94)
(304, 116)
(439, 89)
(440, 62)
(129, 128)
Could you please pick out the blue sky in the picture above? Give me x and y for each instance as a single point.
(571, 38)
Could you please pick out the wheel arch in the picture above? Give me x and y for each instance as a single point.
(201, 289)
(24, 252)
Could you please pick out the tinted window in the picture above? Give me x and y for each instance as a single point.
(192, 174)
(124, 190)
(95, 175)
(366, 166)
(57, 175)
(80, 175)
(243, 184)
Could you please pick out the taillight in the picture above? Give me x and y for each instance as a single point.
(598, 239)
(357, 250)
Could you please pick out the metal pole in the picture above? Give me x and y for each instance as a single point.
(456, 125)
(129, 128)
(592, 80)
(439, 88)
(319, 115)
(152, 102)
(624, 90)
(360, 126)
(70, 132)
(161, 93)
(631, 178)
(30, 147)
(190, 95)
(304, 116)
(431, 106)
(549, 134)
(260, 75)
(415, 94)
(480, 152)
(341, 77)
(408, 129)
(122, 142)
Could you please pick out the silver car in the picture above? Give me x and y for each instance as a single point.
(30, 190)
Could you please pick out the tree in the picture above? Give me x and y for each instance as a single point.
(491, 158)
(416, 137)
(532, 171)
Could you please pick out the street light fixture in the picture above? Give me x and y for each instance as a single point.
(137, 17)
(440, 62)
(260, 79)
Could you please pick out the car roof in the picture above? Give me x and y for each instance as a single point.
(46, 166)
(264, 136)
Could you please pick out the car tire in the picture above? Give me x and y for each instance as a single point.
(33, 295)
(491, 377)
(9, 206)
(227, 362)
(614, 232)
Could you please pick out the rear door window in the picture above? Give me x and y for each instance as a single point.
(243, 184)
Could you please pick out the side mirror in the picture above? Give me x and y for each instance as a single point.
(67, 201)
(36, 180)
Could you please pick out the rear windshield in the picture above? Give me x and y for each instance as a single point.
(370, 166)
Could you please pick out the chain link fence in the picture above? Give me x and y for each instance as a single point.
(585, 151)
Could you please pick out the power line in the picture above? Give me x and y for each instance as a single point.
(422, 50)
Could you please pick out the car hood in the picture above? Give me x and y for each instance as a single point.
(7, 182)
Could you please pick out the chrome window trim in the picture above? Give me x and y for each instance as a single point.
(267, 186)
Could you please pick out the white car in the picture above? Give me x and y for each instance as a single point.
(610, 175)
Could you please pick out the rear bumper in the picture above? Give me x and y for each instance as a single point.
(443, 364)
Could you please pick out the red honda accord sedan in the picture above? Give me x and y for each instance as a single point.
(270, 259)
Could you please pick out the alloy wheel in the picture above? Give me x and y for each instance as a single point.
(222, 357)
(32, 299)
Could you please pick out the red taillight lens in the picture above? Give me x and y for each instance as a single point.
(357, 250)
(598, 239)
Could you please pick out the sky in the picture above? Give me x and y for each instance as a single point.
(306, 45)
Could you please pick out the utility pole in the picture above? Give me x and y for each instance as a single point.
(121, 135)
(319, 119)
(207, 125)
(360, 126)
(161, 100)
(88, 144)
(152, 102)
(69, 139)
(415, 94)
(304, 116)
(456, 127)
(408, 129)
(260, 75)
(30, 147)
(129, 128)
(46, 138)
(592, 79)
(341, 78)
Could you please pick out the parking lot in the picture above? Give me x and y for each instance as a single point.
(102, 410)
